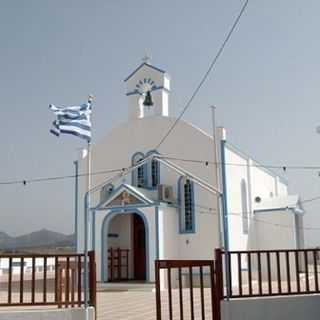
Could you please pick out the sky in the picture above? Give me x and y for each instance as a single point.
(265, 87)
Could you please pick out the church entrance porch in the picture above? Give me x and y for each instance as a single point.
(126, 248)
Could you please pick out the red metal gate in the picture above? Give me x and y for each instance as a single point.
(188, 287)
(46, 279)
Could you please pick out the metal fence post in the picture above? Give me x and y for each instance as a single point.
(92, 281)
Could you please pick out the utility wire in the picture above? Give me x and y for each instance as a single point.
(205, 75)
(25, 181)
(204, 162)
(310, 200)
(208, 210)
(207, 162)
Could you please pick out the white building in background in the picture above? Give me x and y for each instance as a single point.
(27, 265)
(158, 213)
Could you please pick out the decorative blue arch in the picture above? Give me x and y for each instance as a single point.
(104, 239)
(144, 169)
(154, 178)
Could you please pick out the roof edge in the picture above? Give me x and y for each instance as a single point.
(141, 65)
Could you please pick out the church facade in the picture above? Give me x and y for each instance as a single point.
(169, 206)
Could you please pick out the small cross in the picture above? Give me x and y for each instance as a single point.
(146, 58)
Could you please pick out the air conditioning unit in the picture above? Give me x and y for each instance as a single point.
(165, 193)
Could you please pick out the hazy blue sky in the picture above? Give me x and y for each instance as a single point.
(265, 86)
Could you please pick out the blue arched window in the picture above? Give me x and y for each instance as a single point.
(244, 205)
(139, 176)
(186, 202)
(154, 171)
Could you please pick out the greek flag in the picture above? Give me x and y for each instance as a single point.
(73, 120)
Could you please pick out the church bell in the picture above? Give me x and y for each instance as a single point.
(148, 100)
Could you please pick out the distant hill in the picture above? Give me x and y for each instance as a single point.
(39, 239)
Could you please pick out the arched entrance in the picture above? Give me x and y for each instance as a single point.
(125, 240)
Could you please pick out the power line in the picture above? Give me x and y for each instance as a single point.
(205, 75)
(26, 181)
(204, 162)
(310, 200)
(207, 162)
(209, 210)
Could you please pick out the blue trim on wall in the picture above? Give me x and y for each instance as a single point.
(141, 65)
(274, 209)
(181, 227)
(157, 232)
(134, 172)
(224, 196)
(130, 207)
(143, 199)
(104, 239)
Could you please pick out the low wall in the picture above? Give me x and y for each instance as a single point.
(279, 308)
(47, 314)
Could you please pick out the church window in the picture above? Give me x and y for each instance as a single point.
(153, 171)
(244, 203)
(186, 197)
(139, 175)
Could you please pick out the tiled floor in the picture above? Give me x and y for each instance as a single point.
(134, 305)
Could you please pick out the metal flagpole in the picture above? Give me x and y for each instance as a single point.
(86, 222)
(86, 227)
(76, 207)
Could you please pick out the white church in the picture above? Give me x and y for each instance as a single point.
(169, 206)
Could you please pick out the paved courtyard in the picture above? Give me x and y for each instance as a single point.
(134, 305)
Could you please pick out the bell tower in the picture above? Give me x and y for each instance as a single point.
(148, 89)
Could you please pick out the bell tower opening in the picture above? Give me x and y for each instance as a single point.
(148, 89)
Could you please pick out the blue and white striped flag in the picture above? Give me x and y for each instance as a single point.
(73, 120)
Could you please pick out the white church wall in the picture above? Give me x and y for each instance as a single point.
(281, 225)
(282, 188)
(235, 174)
(152, 243)
(263, 184)
(176, 245)
(259, 183)
(168, 233)
(275, 230)
(116, 150)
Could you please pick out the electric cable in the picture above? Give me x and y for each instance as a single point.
(204, 78)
